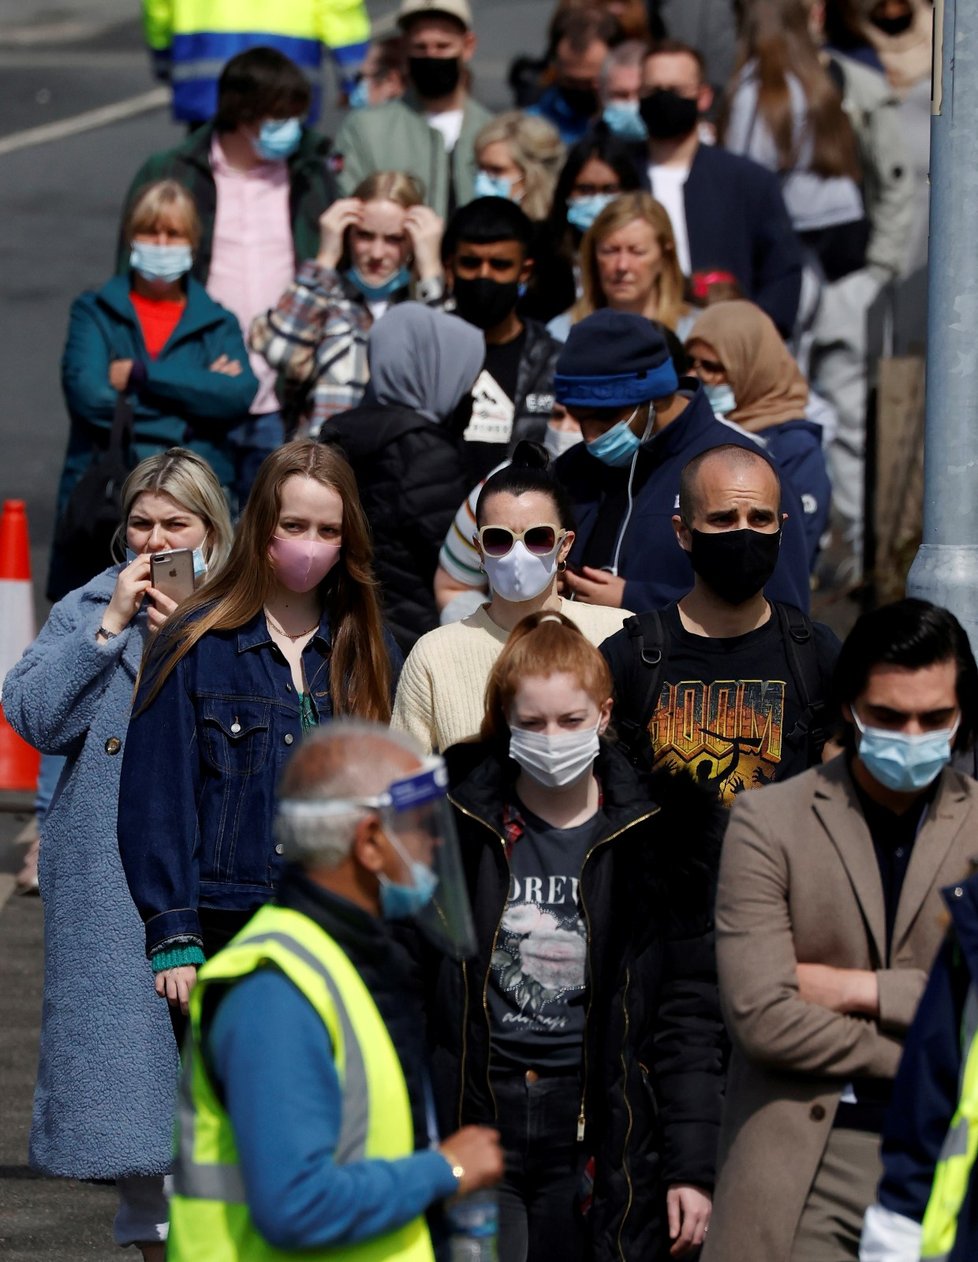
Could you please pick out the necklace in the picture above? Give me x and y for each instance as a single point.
(282, 631)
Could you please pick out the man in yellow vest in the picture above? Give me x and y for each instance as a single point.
(304, 1119)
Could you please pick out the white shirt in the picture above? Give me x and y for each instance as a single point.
(449, 123)
(667, 185)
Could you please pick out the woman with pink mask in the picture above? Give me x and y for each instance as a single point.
(289, 634)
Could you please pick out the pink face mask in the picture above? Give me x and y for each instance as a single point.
(302, 564)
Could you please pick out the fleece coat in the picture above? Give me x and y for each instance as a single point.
(103, 1105)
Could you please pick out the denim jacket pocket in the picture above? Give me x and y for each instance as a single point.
(235, 735)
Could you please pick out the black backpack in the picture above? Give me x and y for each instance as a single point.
(649, 641)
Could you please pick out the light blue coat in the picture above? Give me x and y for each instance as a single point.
(103, 1105)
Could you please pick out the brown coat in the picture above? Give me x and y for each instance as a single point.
(799, 882)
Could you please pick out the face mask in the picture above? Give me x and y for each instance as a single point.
(902, 762)
(487, 185)
(555, 761)
(377, 293)
(735, 563)
(893, 26)
(624, 119)
(359, 98)
(520, 575)
(483, 302)
(721, 399)
(557, 441)
(160, 262)
(616, 446)
(667, 115)
(580, 101)
(435, 77)
(401, 902)
(200, 565)
(582, 211)
(302, 564)
(278, 138)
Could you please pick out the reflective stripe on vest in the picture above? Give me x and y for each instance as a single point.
(952, 1174)
(209, 1202)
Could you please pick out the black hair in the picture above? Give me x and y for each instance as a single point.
(601, 143)
(581, 28)
(485, 221)
(913, 634)
(677, 349)
(260, 83)
(530, 469)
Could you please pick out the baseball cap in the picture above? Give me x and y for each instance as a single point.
(457, 9)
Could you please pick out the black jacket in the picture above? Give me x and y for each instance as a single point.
(653, 1056)
(534, 384)
(412, 479)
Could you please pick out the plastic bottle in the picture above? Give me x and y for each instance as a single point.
(474, 1220)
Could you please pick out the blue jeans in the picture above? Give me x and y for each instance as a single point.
(537, 1119)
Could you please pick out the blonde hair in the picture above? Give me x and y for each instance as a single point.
(391, 186)
(190, 482)
(536, 148)
(155, 201)
(625, 209)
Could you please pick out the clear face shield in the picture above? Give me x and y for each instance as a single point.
(430, 887)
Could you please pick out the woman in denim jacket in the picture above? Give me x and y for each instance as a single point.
(289, 635)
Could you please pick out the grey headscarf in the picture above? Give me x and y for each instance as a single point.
(423, 359)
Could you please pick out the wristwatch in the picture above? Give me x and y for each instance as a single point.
(458, 1171)
(109, 635)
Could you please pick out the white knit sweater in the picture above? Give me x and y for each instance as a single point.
(441, 694)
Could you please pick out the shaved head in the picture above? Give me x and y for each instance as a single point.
(742, 463)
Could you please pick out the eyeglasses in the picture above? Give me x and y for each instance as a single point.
(708, 365)
(498, 541)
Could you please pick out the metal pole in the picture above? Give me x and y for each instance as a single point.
(945, 569)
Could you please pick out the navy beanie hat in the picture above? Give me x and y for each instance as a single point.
(611, 359)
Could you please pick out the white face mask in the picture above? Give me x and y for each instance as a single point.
(520, 575)
(555, 761)
(557, 441)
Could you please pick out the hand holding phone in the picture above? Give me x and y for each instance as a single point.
(172, 573)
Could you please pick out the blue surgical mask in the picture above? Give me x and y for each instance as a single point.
(616, 446)
(160, 262)
(624, 119)
(278, 138)
(377, 293)
(721, 399)
(487, 185)
(359, 98)
(200, 564)
(582, 211)
(903, 762)
(401, 902)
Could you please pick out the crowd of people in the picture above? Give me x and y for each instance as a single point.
(487, 828)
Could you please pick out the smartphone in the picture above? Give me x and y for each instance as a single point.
(172, 573)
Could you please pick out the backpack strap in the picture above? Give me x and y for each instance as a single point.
(648, 640)
(798, 636)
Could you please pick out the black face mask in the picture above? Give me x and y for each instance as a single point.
(582, 101)
(483, 302)
(667, 115)
(435, 77)
(894, 26)
(735, 563)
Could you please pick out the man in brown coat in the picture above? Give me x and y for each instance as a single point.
(828, 919)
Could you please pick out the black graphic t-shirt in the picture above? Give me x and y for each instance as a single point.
(490, 429)
(728, 709)
(536, 991)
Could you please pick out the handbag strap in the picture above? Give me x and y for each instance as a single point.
(122, 425)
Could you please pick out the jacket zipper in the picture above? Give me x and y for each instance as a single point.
(628, 1110)
(581, 1117)
(485, 981)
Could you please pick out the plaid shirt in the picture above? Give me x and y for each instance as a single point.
(316, 336)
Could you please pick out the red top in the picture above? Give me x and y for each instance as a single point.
(158, 317)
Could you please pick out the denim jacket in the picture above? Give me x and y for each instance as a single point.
(199, 775)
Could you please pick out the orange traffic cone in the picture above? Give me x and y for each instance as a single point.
(18, 761)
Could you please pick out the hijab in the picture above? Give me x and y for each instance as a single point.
(906, 57)
(423, 359)
(766, 382)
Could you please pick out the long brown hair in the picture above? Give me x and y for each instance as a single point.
(543, 644)
(625, 209)
(777, 38)
(360, 672)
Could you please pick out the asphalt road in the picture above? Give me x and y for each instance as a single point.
(59, 206)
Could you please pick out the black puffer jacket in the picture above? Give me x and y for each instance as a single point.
(412, 479)
(654, 1044)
